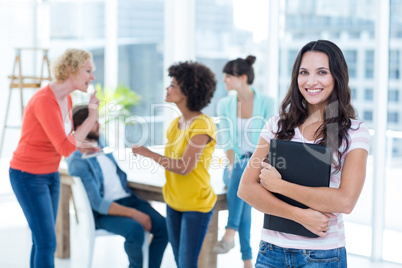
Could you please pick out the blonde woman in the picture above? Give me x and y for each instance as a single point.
(46, 136)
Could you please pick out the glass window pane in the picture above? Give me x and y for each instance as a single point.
(394, 64)
(393, 117)
(141, 29)
(393, 221)
(85, 29)
(354, 93)
(224, 33)
(351, 59)
(141, 37)
(368, 115)
(368, 94)
(393, 96)
(16, 31)
(369, 64)
(85, 20)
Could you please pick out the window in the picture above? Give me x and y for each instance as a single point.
(368, 94)
(354, 93)
(393, 95)
(369, 64)
(291, 60)
(226, 30)
(394, 64)
(392, 236)
(215, 33)
(351, 59)
(393, 117)
(368, 115)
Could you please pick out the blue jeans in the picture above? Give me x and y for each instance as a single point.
(186, 232)
(133, 231)
(38, 195)
(277, 257)
(239, 218)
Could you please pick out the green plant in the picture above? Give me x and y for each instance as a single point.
(116, 103)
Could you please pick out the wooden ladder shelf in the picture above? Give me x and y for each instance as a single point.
(21, 82)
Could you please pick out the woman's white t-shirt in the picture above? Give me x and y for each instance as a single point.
(359, 138)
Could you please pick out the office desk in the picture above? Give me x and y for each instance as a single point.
(146, 178)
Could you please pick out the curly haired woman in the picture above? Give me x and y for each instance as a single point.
(191, 141)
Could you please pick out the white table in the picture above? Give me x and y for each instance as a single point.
(146, 178)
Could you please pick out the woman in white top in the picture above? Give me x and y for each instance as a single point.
(316, 109)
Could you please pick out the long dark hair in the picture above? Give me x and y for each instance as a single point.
(338, 112)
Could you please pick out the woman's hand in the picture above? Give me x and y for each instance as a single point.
(141, 150)
(89, 148)
(270, 178)
(93, 107)
(314, 221)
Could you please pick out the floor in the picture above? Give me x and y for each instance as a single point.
(15, 240)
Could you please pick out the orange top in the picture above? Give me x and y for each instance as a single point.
(43, 138)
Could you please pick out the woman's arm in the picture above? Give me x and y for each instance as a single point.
(80, 134)
(341, 200)
(186, 163)
(230, 154)
(48, 114)
(258, 197)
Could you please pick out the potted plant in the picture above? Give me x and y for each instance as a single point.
(116, 104)
(114, 108)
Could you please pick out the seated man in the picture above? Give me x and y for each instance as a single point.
(116, 208)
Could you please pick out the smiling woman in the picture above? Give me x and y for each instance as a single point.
(316, 109)
(46, 136)
(315, 80)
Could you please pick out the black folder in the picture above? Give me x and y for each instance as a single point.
(301, 163)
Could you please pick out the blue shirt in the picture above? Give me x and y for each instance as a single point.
(91, 175)
(228, 136)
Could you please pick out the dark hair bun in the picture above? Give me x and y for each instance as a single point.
(251, 59)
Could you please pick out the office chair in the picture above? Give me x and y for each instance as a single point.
(83, 204)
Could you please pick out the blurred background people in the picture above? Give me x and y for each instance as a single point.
(242, 116)
(191, 142)
(116, 208)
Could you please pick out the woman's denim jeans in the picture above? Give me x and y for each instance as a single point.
(239, 217)
(186, 232)
(271, 256)
(38, 195)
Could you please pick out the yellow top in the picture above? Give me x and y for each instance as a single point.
(191, 192)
